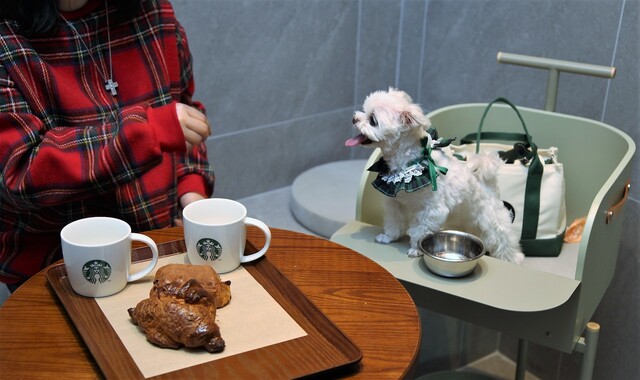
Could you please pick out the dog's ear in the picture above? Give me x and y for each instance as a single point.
(406, 118)
(413, 117)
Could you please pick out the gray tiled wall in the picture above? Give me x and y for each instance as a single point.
(277, 78)
(281, 78)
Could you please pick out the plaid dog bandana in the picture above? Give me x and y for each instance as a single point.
(418, 174)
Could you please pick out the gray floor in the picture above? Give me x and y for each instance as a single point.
(273, 208)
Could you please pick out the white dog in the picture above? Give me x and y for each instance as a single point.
(428, 189)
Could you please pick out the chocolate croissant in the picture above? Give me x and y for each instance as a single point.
(181, 310)
(204, 274)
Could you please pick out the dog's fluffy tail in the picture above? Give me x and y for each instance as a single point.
(485, 167)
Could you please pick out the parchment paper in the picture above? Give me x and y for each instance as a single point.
(252, 319)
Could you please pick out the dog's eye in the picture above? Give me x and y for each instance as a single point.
(373, 121)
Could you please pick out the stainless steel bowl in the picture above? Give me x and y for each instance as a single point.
(451, 253)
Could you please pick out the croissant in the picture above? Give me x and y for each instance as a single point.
(180, 310)
(204, 274)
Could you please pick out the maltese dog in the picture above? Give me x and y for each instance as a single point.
(426, 188)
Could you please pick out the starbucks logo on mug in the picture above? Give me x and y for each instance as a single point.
(208, 249)
(96, 271)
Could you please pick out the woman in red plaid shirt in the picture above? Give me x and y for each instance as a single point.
(96, 118)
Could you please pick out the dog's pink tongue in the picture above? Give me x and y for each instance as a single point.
(357, 140)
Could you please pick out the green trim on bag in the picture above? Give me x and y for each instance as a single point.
(531, 211)
(472, 138)
(543, 247)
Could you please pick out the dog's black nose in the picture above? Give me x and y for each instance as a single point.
(354, 120)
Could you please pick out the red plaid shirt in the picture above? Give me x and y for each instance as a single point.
(69, 149)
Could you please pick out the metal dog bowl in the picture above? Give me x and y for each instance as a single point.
(451, 253)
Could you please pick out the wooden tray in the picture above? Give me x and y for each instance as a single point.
(325, 348)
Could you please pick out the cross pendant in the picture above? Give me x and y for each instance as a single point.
(110, 85)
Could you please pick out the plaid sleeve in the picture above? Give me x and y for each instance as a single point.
(47, 163)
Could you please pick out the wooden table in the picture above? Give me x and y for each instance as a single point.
(38, 339)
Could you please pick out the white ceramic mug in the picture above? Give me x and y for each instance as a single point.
(97, 255)
(215, 233)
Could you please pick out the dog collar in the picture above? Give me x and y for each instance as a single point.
(418, 174)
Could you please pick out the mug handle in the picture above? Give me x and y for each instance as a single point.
(267, 235)
(154, 260)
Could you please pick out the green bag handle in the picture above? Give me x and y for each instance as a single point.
(534, 176)
(505, 136)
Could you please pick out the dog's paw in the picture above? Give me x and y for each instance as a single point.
(412, 252)
(518, 258)
(383, 239)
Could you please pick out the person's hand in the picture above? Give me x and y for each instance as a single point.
(195, 125)
(191, 197)
(185, 199)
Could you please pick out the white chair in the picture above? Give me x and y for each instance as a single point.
(550, 309)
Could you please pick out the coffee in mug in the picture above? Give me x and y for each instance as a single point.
(215, 233)
(97, 255)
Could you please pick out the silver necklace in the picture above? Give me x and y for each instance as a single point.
(109, 84)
